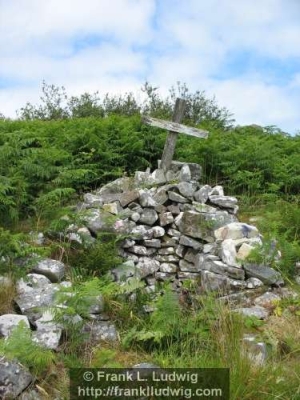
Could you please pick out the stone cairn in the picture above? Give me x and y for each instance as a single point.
(177, 229)
(174, 229)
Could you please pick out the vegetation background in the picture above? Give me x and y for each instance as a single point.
(65, 146)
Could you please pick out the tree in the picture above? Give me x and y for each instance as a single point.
(199, 109)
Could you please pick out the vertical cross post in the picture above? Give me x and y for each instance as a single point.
(170, 143)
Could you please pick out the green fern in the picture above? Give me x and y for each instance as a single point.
(19, 345)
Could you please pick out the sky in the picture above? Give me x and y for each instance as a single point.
(246, 53)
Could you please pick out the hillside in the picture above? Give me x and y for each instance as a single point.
(54, 168)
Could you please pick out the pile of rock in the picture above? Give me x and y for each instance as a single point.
(178, 229)
(174, 229)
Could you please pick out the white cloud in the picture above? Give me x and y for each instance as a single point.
(23, 22)
(254, 102)
(129, 41)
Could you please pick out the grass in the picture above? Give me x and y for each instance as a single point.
(7, 295)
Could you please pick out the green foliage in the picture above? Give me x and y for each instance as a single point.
(19, 345)
(105, 358)
(280, 220)
(252, 322)
(99, 258)
(16, 246)
(171, 325)
(71, 305)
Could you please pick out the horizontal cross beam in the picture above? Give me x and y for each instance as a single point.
(175, 127)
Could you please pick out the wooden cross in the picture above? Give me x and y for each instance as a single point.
(174, 127)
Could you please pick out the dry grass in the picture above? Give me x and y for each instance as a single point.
(7, 295)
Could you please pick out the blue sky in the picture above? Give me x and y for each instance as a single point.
(245, 53)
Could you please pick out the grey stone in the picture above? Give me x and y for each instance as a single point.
(85, 235)
(146, 199)
(128, 243)
(14, 378)
(147, 266)
(141, 232)
(186, 207)
(112, 208)
(214, 265)
(187, 189)
(177, 220)
(148, 216)
(253, 283)
(210, 248)
(190, 255)
(125, 271)
(74, 237)
(95, 304)
(237, 284)
(135, 216)
(168, 268)
(221, 218)
(48, 333)
(187, 241)
(37, 281)
(156, 243)
(236, 230)
(188, 275)
(119, 185)
(174, 209)
(166, 218)
(92, 200)
(185, 173)
(244, 251)
(52, 269)
(258, 312)
(101, 330)
(201, 207)
(223, 201)
(141, 250)
(98, 220)
(109, 197)
(30, 395)
(161, 196)
(187, 266)
(158, 176)
(266, 274)
(160, 209)
(128, 197)
(176, 197)
(8, 322)
(29, 298)
(158, 231)
(172, 176)
(135, 207)
(163, 276)
(123, 226)
(267, 300)
(214, 282)
(143, 179)
(150, 281)
(256, 351)
(195, 225)
(196, 170)
(217, 191)
(180, 250)
(228, 253)
(174, 233)
(169, 241)
(166, 251)
(167, 259)
(201, 195)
